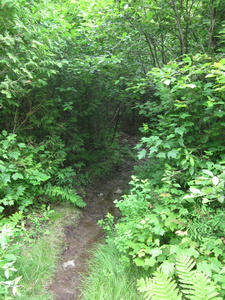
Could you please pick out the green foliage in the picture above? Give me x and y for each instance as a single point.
(107, 278)
(190, 117)
(146, 225)
(63, 194)
(21, 173)
(107, 224)
(157, 224)
(10, 229)
(24, 171)
(73, 74)
(39, 254)
(190, 284)
(36, 222)
(208, 186)
(158, 288)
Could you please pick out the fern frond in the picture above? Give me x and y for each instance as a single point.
(145, 287)
(63, 194)
(160, 287)
(194, 285)
(184, 266)
(203, 288)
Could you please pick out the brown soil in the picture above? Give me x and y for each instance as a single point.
(81, 237)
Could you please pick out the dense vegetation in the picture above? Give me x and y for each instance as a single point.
(74, 74)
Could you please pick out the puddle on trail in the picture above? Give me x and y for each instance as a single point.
(81, 238)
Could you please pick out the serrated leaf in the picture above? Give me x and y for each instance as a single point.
(142, 154)
(205, 268)
(139, 262)
(153, 149)
(173, 153)
(150, 262)
(6, 179)
(161, 154)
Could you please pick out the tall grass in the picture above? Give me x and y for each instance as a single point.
(36, 265)
(108, 278)
(37, 262)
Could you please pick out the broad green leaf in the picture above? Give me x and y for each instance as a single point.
(158, 230)
(9, 257)
(208, 172)
(150, 262)
(161, 154)
(139, 262)
(153, 149)
(155, 252)
(22, 145)
(195, 191)
(184, 115)
(221, 199)
(173, 153)
(222, 61)
(142, 154)
(205, 268)
(192, 162)
(205, 200)
(191, 170)
(17, 176)
(174, 249)
(180, 130)
(167, 268)
(6, 178)
(181, 141)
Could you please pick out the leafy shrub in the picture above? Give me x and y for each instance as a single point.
(146, 225)
(157, 224)
(21, 174)
(208, 186)
(25, 169)
(190, 116)
(10, 231)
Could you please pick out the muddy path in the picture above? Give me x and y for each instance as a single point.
(81, 237)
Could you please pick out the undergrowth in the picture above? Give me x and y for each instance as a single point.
(108, 279)
(37, 261)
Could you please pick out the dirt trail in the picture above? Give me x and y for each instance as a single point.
(82, 236)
